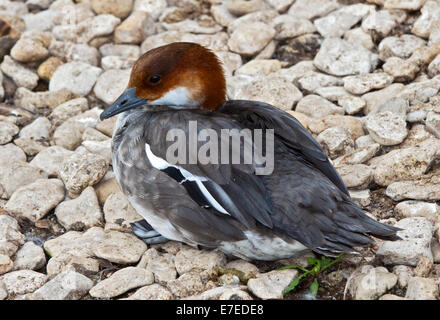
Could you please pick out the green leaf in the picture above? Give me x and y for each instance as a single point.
(312, 261)
(314, 287)
(294, 266)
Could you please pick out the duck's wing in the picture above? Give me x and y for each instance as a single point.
(254, 114)
(230, 189)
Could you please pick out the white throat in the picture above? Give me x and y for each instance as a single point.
(179, 97)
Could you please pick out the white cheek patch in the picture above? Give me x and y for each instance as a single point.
(179, 96)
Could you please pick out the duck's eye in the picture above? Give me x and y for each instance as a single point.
(154, 79)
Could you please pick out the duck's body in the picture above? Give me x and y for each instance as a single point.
(302, 205)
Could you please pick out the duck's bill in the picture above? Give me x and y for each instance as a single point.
(126, 101)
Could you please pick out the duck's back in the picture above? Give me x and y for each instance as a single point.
(302, 203)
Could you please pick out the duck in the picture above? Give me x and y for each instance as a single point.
(299, 205)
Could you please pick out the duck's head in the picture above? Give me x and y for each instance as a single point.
(180, 75)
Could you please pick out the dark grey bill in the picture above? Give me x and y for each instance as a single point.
(126, 101)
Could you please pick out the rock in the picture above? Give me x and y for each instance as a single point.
(122, 281)
(119, 213)
(422, 289)
(360, 36)
(36, 101)
(38, 130)
(69, 134)
(29, 146)
(16, 175)
(387, 128)
(23, 281)
(151, 292)
(242, 7)
(272, 284)
(71, 262)
(243, 266)
(79, 52)
(10, 153)
(419, 92)
(404, 164)
(358, 176)
(382, 22)
(111, 84)
(434, 67)
(102, 148)
(433, 123)
(352, 124)
(274, 90)
(81, 170)
(86, 30)
(251, 39)
(35, 200)
(369, 283)
(394, 105)
(7, 131)
(204, 25)
(336, 141)
(363, 83)
(119, 247)
(77, 77)
(426, 22)
(3, 292)
(377, 98)
(415, 244)
(424, 267)
(310, 9)
(6, 264)
(107, 186)
(68, 285)
(10, 236)
(48, 67)
(80, 213)
(317, 107)
(423, 189)
(404, 273)
(152, 7)
(401, 47)
(296, 71)
(406, 5)
(187, 259)
(74, 242)
(118, 8)
(188, 284)
(391, 297)
(411, 208)
(160, 264)
(68, 110)
(259, 67)
(351, 105)
(340, 58)
(30, 257)
(50, 159)
(29, 50)
(21, 76)
(333, 93)
(401, 70)
(361, 197)
(134, 29)
(287, 26)
(311, 81)
(338, 22)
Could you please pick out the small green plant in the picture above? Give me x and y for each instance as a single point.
(316, 267)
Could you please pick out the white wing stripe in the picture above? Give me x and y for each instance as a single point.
(162, 164)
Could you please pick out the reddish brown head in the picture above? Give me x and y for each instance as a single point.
(182, 74)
